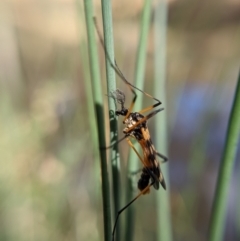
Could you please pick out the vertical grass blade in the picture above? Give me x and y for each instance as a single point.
(163, 197)
(84, 54)
(111, 85)
(133, 160)
(218, 216)
(98, 101)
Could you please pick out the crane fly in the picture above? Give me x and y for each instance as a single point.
(136, 128)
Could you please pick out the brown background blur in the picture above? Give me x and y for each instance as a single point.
(50, 186)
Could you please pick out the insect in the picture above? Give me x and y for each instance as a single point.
(136, 127)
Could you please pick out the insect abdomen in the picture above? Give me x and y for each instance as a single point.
(143, 182)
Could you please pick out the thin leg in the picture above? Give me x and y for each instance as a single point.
(134, 99)
(117, 70)
(118, 141)
(135, 150)
(151, 174)
(150, 115)
(121, 75)
(165, 159)
(131, 106)
(121, 210)
(149, 107)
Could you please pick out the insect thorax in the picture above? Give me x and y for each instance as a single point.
(132, 120)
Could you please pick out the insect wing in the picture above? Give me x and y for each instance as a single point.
(161, 179)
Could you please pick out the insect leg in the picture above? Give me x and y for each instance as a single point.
(121, 75)
(131, 86)
(161, 156)
(111, 146)
(135, 150)
(117, 70)
(150, 115)
(106, 53)
(121, 210)
(149, 107)
(135, 95)
(151, 174)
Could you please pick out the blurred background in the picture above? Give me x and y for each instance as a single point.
(50, 184)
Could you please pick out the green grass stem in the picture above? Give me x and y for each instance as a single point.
(111, 85)
(218, 215)
(98, 102)
(140, 66)
(164, 228)
(88, 89)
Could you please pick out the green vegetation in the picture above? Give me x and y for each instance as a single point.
(218, 219)
(98, 104)
(53, 119)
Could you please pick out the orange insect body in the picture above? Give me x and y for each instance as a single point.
(136, 127)
(151, 170)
